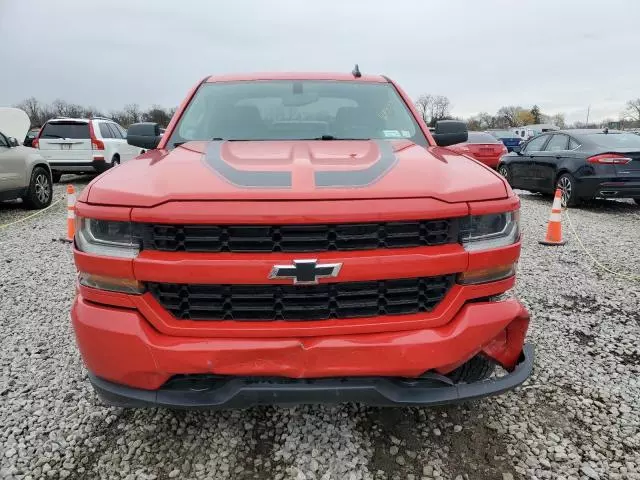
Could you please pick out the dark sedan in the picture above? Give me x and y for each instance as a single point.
(583, 163)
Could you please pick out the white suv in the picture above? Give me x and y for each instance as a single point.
(83, 145)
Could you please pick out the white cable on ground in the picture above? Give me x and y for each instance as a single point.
(635, 278)
(30, 216)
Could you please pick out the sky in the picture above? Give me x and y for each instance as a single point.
(561, 55)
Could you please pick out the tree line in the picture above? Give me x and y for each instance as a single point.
(40, 112)
(431, 108)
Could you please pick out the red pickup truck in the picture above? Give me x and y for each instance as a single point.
(298, 238)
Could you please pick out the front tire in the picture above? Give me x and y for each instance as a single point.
(567, 185)
(40, 190)
(475, 370)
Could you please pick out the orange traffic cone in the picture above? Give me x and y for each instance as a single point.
(71, 214)
(554, 227)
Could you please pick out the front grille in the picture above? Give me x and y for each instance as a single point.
(292, 302)
(298, 238)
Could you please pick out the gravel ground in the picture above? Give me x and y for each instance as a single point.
(578, 417)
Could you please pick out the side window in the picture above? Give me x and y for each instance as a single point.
(558, 143)
(105, 131)
(123, 132)
(114, 131)
(573, 144)
(536, 144)
(3, 141)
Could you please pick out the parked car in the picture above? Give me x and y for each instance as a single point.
(23, 172)
(30, 137)
(82, 145)
(483, 147)
(254, 258)
(583, 163)
(507, 137)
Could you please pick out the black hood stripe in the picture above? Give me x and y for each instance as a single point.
(243, 178)
(360, 178)
(323, 179)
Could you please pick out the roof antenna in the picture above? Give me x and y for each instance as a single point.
(356, 72)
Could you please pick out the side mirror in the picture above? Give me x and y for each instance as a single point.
(517, 149)
(450, 132)
(13, 142)
(144, 135)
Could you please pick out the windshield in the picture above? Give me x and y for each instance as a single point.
(296, 110)
(615, 140)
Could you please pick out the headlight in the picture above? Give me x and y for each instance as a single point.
(106, 237)
(495, 230)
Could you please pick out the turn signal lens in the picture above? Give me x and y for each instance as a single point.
(111, 284)
(485, 275)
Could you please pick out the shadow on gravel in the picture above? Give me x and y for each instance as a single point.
(432, 438)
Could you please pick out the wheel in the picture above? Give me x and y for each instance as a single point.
(637, 200)
(566, 183)
(115, 161)
(40, 190)
(475, 370)
(56, 176)
(504, 171)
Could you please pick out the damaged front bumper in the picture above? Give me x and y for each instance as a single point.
(244, 392)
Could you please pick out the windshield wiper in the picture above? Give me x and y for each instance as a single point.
(332, 137)
(214, 139)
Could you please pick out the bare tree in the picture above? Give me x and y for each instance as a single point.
(487, 120)
(32, 107)
(424, 106)
(433, 108)
(510, 115)
(133, 113)
(558, 120)
(441, 109)
(157, 114)
(633, 110)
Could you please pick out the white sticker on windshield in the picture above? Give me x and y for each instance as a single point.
(406, 133)
(391, 133)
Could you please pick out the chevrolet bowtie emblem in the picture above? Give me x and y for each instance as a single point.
(305, 272)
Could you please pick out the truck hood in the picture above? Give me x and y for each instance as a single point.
(295, 170)
(14, 123)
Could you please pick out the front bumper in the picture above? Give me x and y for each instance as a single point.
(129, 359)
(244, 392)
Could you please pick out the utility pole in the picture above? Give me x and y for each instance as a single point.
(588, 111)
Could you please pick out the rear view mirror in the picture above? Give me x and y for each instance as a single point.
(450, 132)
(517, 149)
(13, 142)
(144, 135)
